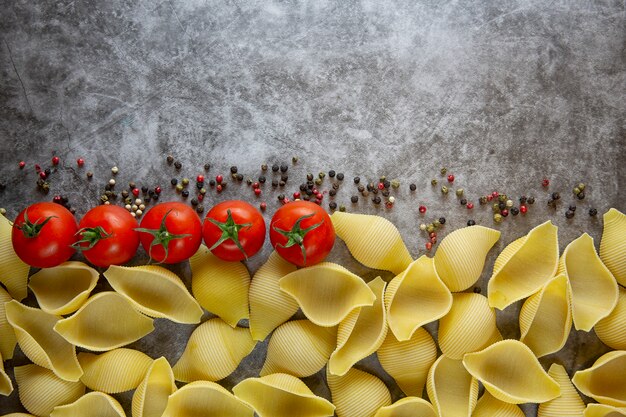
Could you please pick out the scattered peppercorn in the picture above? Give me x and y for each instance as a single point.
(501, 206)
(194, 202)
(443, 171)
(169, 159)
(450, 178)
(275, 168)
(331, 173)
(545, 182)
(354, 199)
(55, 160)
(497, 217)
(22, 164)
(178, 165)
(442, 220)
(444, 189)
(174, 181)
(185, 193)
(395, 183)
(200, 208)
(482, 200)
(556, 196)
(357, 180)
(376, 200)
(422, 209)
(514, 211)
(412, 187)
(504, 212)
(459, 192)
(471, 223)
(80, 162)
(342, 208)
(572, 207)
(284, 167)
(89, 175)
(263, 205)
(233, 169)
(522, 199)
(207, 167)
(463, 201)
(581, 195)
(433, 182)
(523, 209)
(531, 200)
(332, 205)
(593, 212)
(340, 176)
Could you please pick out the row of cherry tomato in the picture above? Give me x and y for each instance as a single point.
(47, 234)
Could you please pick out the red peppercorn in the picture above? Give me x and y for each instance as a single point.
(314, 191)
(256, 185)
(37, 168)
(495, 194)
(489, 197)
(200, 197)
(319, 196)
(545, 182)
(219, 179)
(381, 186)
(432, 234)
(157, 189)
(80, 162)
(286, 200)
(263, 205)
(450, 178)
(389, 204)
(429, 245)
(135, 192)
(523, 209)
(504, 212)
(318, 201)
(43, 175)
(422, 209)
(57, 199)
(433, 239)
(55, 160)
(219, 187)
(257, 192)
(470, 205)
(22, 164)
(296, 195)
(200, 178)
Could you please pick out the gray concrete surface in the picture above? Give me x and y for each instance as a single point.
(503, 93)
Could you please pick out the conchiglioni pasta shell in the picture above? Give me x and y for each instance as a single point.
(469, 326)
(489, 406)
(605, 381)
(460, 258)
(613, 244)
(6, 386)
(372, 240)
(214, 280)
(13, 271)
(64, 288)
(603, 410)
(156, 292)
(407, 407)
(151, 396)
(416, 297)
(299, 348)
(282, 395)
(569, 404)
(408, 361)
(593, 287)
(524, 266)
(7, 334)
(18, 415)
(612, 329)
(510, 371)
(206, 399)
(327, 292)
(545, 318)
(269, 306)
(92, 404)
(358, 393)
(106, 321)
(361, 333)
(37, 339)
(213, 352)
(116, 371)
(40, 390)
(451, 389)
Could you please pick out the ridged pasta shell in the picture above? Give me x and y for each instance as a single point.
(468, 327)
(407, 407)
(92, 404)
(106, 321)
(613, 244)
(358, 393)
(37, 339)
(510, 371)
(372, 240)
(593, 287)
(269, 306)
(116, 371)
(156, 292)
(214, 280)
(569, 404)
(460, 257)
(282, 395)
(545, 318)
(63, 289)
(213, 352)
(524, 266)
(40, 390)
(13, 271)
(612, 329)
(18, 415)
(151, 396)
(7, 335)
(416, 297)
(327, 292)
(603, 410)
(605, 380)
(489, 406)
(361, 333)
(6, 386)
(408, 362)
(451, 399)
(206, 399)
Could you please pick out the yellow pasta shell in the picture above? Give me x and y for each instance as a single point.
(213, 352)
(545, 318)
(372, 240)
(13, 272)
(214, 280)
(18, 415)
(116, 371)
(358, 393)
(416, 297)
(569, 404)
(7, 335)
(156, 292)
(524, 266)
(407, 407)
(408, 361)
(510, 372)
(151, 396)
(460, 258)
(37, 339)
(299, 348)
(6, 386)
(612, 329)
(282, 395)
(206, 399)
(489, 406)
(603, 410)
(594, 289)
(361, 333)
(269, 306)
(327, 292)
(40, 390)
(64, 288)
(469, 326)
(106, 321)
(451, 389)
(605, 380)
(613, 244)
(92, 404)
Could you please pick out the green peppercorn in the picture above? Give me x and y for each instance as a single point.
(342, 208)
(443, 171)
(444, 189)
(185, 181)
(496, 207)
(576, 190)
(318, 181)
(459, 192)
(581, 186)
(179, 188)
(203, 191)
(482, 200)
(437, 224)
(321, 175)
(294, 160)
(502, 198)
(497, 218)
(430, 228)
(395, 183)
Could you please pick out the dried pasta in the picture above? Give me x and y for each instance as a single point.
(451, 389)
(613, 244)
(569, 403)
(358, 393)
(603, 410)
(407, 407)
(612, 329)
(489, 406)
(605, 380)
(13, 271)
(92, 404)
(7, 335)
(6, 386)
(206, 399)
(116, 371)
(151, 396)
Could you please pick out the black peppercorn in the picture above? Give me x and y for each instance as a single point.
(150, 193)
(386, 184)
(514, 211)
(108, 187)
(340, 176)
(144, 189)
(199, 185)
(274, 183)
(471, 223)
(412, 187)
(357, 180)
(174, 181)
(207, 167)
(281, 183)
(185, 193)
(331, 173)
(354, 199)
(463, 202)
(212, 183)
(262, 179)
(332, 205)
(360, 188)
(556, 195)
(275, 168)
(376, 200)
(47, 171)
(306, 197)
(332, 192)
(284, 177)
(581, 195)
(124, 194)
(593, 212)
(522, 199)
(281, 197)
(302, 187)
(309, 177)
(200, 208)
(178, 165)
(572, 207)
(569, 214)
(284, 167)
(477, 290)
(170, 159)
(501, 206)
(335, 186)
(233, 169)
(530, 200)
(385, 193)
(194, 202)
(308, 191)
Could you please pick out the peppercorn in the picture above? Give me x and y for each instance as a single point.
(342, 208)
(200, 208)
(332, 205)
(331, 173)
(471, 223)
(450, 178)
(593, 212)
(219, 188)
(502, 198)
(365, 193)
(459, 192)
(212, 183)
(89, 175)
(430, 228)
(556, 195)
(443, 171)
(386, 184)
(354, 199)
(185, 193)
(263, 205)
(433, 182)
(233, 169)
(477, 290)
(502, 206)
(412, 187)
(531, 200)
(284, 167)
(509, 203)
(108, 193)
(497, 217)
(569, 214)
(202, 191)
(174, 181)
(357, 180)
(576, 190)
(340, 176)
(262, 179)
(442, 220)
(331, 192)
(422, 209)
(395, 183)
(523, 209)
(514, 211)
(178, 165)
(581, 195)
(444, 189)
(376, 200)
(482, 200)
(294, 160)
(194, 202)
(318, 181)
(522, 199)
(274, 183)
(463, 201)
(170, 159)
(207, 167)
(284, 177)
(572, 207)
(552, 203)
(545, 182)
(360, 188)
(504, 213)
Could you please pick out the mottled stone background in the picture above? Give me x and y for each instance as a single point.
(503, 93)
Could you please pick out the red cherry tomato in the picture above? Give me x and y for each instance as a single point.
(302, 233)
(107, 235)
(170, 232)
(234, 230)
(43, 234)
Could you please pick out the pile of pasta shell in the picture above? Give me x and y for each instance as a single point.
(347, 319)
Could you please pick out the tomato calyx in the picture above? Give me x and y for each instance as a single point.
(90, 235)
(30, 229)
(230, 230)
(296, 235)
(161, 236)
